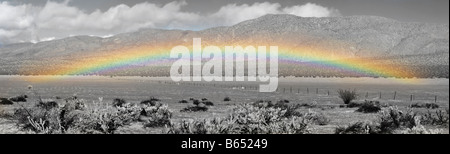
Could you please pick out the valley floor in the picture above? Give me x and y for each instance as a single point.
(321, 92)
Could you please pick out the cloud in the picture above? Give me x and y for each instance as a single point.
(311, 10)
(232, 14)
(25, 23)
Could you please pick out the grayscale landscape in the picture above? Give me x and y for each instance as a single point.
(66, 85)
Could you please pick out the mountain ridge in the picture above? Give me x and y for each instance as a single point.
(355, 36)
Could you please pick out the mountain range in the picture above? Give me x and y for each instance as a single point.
(421, 47)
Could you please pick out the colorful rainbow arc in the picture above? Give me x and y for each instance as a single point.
(121, 59)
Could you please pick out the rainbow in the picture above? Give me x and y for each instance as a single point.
(101, 62)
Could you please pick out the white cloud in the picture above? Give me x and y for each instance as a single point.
(311, 10)
(55, 20)
(233, 14)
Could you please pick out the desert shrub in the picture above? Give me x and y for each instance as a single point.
(263, 103)
(279, 104)
(152, 101)
(227, 99)
(317, 118)
(347, 96)
(248, 114)
(416, 105)
(393, 118)
(71, 113)
(358, 128)
(98, 118)
(214, 126)
(204, 99)
(70, 98)
(353, 105)
(156, 116)
(196, 108)
(48, 117)
(208, 103)
(196, 102)
(290, 110)
(426, 105)
(44, 117)
(369, 107)
(245, 119)
(21, 98)
(307, 105)
(130, 113)
(105, 119)
(183, 101)
(439, 117)
(47, 104)
(118, 102)
(431, 106)
(256, 120)
(283, 101)
(421, 130)
(5, 101)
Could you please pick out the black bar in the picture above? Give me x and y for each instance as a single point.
(275, 143)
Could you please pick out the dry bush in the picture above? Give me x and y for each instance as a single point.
(369, 107)
(44, 113)
(317, 118)
(358, 128)
(152, 101)
(391, 121)
(98, 118)
(421, 130)
(245, 119)
(439, 117)
(156, 116)
(21, 98)
(426, 105)
(183, 101)
(393, 118)
(347, 96)
(5, 101)
(118, 102)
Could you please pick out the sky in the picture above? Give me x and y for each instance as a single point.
(43, 20)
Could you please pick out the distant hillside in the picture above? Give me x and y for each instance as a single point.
(422, 47)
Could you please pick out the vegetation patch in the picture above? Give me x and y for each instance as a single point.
(152, 101)
(118, 102)
(358, 128)
(438, 117)
(245, 119)
(195, 108)
(5, 101)
(317, 118)
(74, 117)
(21, 98)
(369, 107)
(426, 105)
(156, 116)
(183, 101)
(354, 105)
(347, 95)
